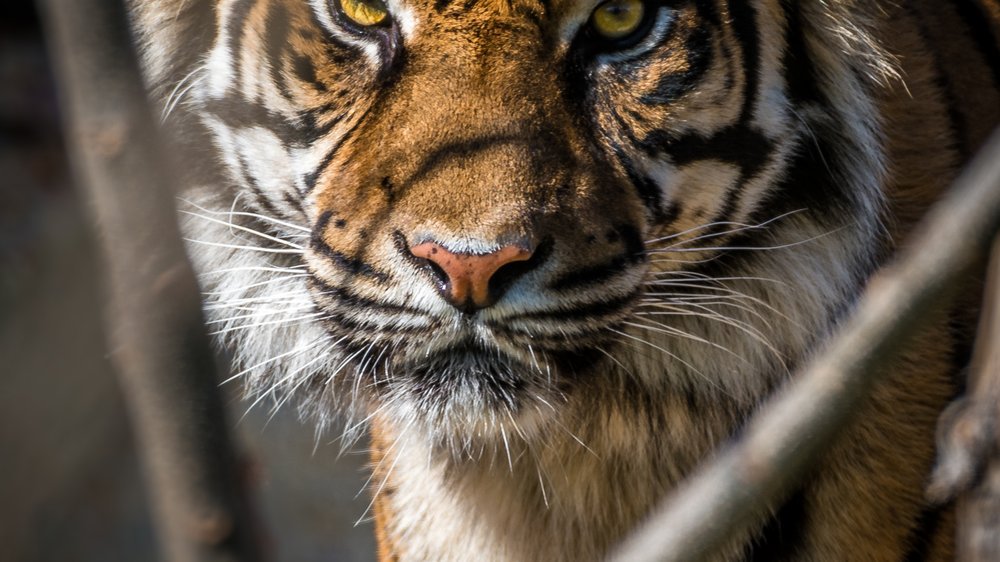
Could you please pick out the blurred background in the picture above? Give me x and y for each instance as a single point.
(70, 484)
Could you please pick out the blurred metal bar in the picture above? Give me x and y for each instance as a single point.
(158, 343)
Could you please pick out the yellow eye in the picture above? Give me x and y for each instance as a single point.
(616, 19)
(365, 13)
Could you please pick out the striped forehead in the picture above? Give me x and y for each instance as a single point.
(549, 8)
(549, 11)
(563, 16)
(559, 18)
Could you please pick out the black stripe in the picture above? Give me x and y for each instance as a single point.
(740, 145)
(799, 69)
(744, 25)
(304, 69)
(708, 11)
(294, 203)
(353, 266)
(364, 327)
(235, 27)
(338, 104)
(323, 222)
(634, 252)
(312, 178)
(463, 149)
(276, 35)
(922, 538)
(649, 191)
(591, 275)
(809, 183)
(673, 85)
(260, 198)
(623, 126)
(581, 339)
(346, 297)
(238, 114)
(733, 196)
(959, 132)
(243, 115)
(595, 310)
(812, 181)
(781, 537)
(982, 35)
(310, 119)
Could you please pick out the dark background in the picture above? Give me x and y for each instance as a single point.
(70, 483)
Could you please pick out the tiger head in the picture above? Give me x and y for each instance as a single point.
(459, 213)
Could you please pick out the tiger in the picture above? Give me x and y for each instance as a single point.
(550, 255)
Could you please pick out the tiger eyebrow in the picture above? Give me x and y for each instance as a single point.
(404, 15)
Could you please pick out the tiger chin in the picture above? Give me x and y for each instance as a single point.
(552, 254)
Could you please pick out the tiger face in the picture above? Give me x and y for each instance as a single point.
(460, 213)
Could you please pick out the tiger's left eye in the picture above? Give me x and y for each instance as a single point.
(366, 13)
(617, 19)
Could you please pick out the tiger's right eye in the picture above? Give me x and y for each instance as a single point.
(366, 13)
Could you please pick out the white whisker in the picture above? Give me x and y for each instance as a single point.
(180, 90)
(378, 491)
(245, 229)
(255, 312)
(741, 227)
(670, 330)
(245, 288)
(270, 390)
(691, 284)
(250, 215)
(253, 305)
(260, 269)
(671, 250)
(675, 358)
(268, 323)
(247, 248)
(301, 349)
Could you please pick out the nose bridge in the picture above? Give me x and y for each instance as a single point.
(474, 82)
(484, 142)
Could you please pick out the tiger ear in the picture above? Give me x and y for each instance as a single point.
(169, 36)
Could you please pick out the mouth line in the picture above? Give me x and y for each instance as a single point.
(328, 294)
(466, 351)
(469, 381)
(473, 359)
(469, 370)
(496, 354)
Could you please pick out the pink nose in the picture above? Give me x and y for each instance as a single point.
(464, 280)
